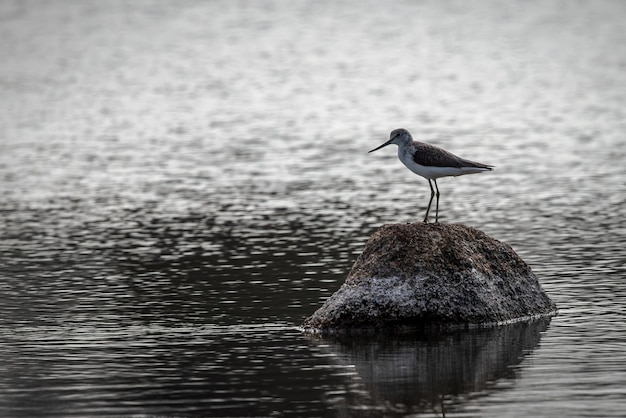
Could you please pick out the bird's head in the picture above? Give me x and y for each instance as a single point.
(397, 136)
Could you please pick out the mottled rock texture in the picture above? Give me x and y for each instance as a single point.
(422, 275)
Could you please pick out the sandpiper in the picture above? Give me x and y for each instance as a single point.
(430, 162)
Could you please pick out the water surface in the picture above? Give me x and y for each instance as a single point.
(183, 183)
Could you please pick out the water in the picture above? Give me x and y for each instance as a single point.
(182, 183)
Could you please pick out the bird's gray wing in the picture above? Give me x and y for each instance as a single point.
(432, 156)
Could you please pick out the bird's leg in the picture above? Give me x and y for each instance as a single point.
(437, 207)
(432, 195)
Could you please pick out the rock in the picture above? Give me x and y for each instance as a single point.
(424, 275)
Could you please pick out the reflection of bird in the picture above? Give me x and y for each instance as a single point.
(430, 162)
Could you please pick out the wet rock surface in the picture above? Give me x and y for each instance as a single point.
(432, 275)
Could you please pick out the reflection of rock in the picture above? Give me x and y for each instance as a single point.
(429, 372)
(432, 274)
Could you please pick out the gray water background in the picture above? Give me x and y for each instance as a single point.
(182, 183)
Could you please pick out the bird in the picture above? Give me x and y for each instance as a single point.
(430, 162)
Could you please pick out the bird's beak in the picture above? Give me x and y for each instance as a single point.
(383, 145)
